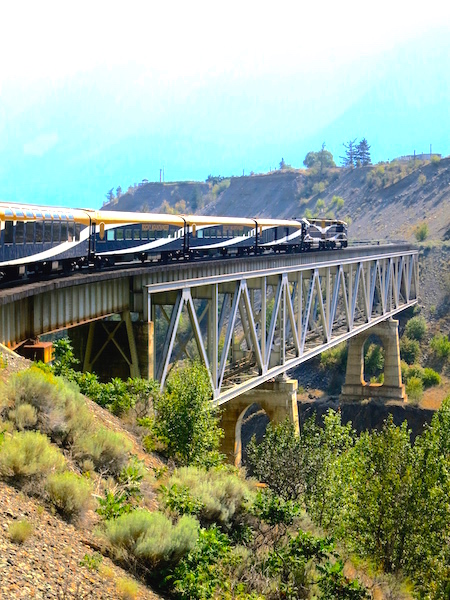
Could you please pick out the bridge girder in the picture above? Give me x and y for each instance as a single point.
(263, 323)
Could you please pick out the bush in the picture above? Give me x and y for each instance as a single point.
(334, 358)
(440, 344)
(430, 377)
(35, 398)
(414, 389)
(215, 496)
(186, 422)
(198, 576)
(409, 350)
(20, 531)
(373, 360)
(416, 328)
(29, 454)
(421, 232)
(377, 498)
(69, 493)
(117, 395)
(107, 449)
(127, 588)
(23, 417)
(150, 538)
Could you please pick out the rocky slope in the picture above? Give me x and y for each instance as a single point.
(383, 201)
(60, 560)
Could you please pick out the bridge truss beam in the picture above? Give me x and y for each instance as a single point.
(253, 326)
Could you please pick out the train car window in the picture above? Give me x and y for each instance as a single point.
(64, 232)
(9, 232)
(56, 236)
(77, 231)
(39, 232)
(20, 232)
(47, 231)
(128, 234)
(119, 234)
(29, 233)
(136, 234)
(199, 233)
(71, 231)
(110, 235)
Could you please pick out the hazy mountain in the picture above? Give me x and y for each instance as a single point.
(69, 142)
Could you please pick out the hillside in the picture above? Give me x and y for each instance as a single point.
(383, 201)
(58, 559)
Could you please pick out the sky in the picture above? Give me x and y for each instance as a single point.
(97, 94)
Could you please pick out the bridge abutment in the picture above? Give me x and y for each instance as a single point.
(278, 399)
(355, 388)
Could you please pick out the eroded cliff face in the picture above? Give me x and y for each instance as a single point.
(368, 415)
(364, 416)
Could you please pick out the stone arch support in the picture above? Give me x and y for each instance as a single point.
(355, 388)
(277, 398)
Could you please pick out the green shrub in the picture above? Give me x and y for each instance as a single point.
(91, 561)
(127, 588)
(123, 497)
(334, 358)
(373, 360)
(377, 496)
(421, 232)
(410, 371)
(107, 449)
(117, 395)
(440, 344)
(430, 377)
(199, 575)
(186, 422)
(409, 350)
(319, 188)
(29, 454)
(35, 398)
(150, 538)
(215, 496)
(20, 531)
(414, 389)
(114, 504)
(179, 499)
(69, 493)
(338, 202)
(416, 328)
(23, 417)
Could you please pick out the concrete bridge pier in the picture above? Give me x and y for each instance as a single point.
(277, 398)
(355, 388)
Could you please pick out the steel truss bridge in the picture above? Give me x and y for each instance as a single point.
(251, 326)
(248, 320)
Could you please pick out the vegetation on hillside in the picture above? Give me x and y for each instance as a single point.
(215, 534)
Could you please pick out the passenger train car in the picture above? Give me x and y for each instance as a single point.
(43, 239)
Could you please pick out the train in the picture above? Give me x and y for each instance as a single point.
(46, 239)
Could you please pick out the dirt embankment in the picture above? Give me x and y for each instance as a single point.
(60, 560)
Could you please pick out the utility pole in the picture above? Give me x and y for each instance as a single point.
(160, 175)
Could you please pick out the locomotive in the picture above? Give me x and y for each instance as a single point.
(45, 239)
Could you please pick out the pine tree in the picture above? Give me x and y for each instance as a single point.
(349, 160)
(363, 153)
